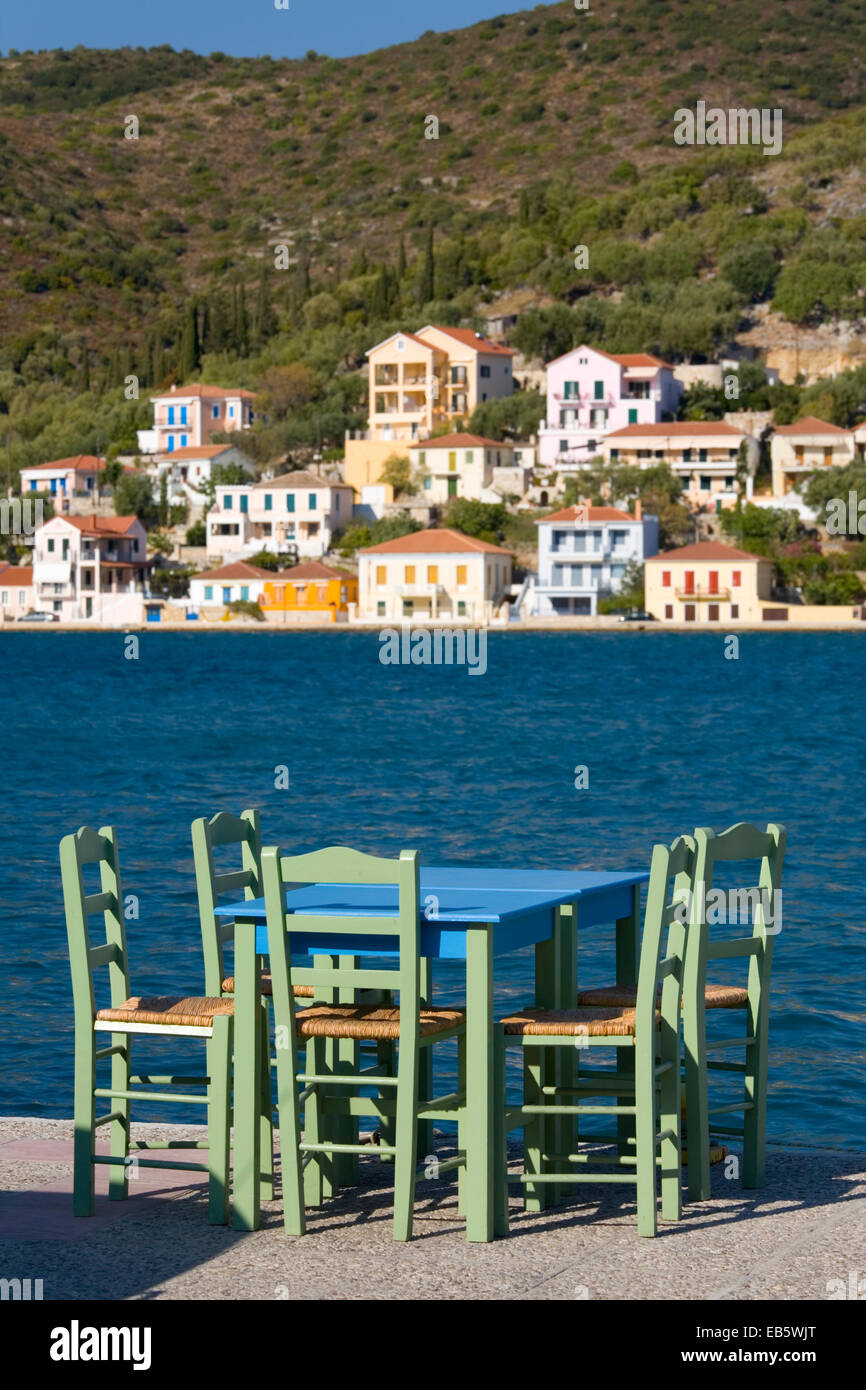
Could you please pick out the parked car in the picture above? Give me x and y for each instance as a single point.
(34, 617)
(636, 615)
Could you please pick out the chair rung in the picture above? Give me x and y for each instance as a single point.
(107, 1119)
(445, 1166)
(577, 1177)
(730, 1042)
(741, 1067)
(153, 1163)
(166, 1096)
(108, 1051)
(168, 1080)
(363, 1078)
(449, 1102)
(347, 1148)
(726, 1109)
(139, 1144)
(727, 1131)
(579, 1109)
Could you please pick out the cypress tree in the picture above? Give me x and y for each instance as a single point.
(427, 283)
(401, 260)
(188, 352)
(523, 209)
(266, 319)
(84, 368)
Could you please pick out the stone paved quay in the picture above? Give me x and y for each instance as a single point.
(805, 1229)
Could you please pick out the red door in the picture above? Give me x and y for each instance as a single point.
(690, 582)
(714, 581)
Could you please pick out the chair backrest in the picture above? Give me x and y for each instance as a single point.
(89, 846)
(665, 935)
(746, 844)
(339, 865)
(208, 835)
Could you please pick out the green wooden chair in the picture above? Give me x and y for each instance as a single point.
(412, 1026)
(766, 849)
(208, 1019)
(742, 844)
(649, 1091)
(244, 831)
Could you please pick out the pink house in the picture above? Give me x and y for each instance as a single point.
(590, 393)
(189, 416)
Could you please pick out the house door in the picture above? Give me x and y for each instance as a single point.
(714, 581)
(452, 487)
(689, 585)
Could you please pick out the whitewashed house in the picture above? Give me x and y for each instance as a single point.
(91, 568)
(583, 554)
(296, 510)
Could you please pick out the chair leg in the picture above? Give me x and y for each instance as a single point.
(755, 1120)
(500, 1139)
(118, 1173)
(461, 1125)
(386, 1057)
(289, 1119)
(406, 1140)
(697, 1118)
(425, 1083)
(645, 1142)
(318, 1174)
(219, 1062)
(670, 1150)
(266, 1119)
(534, 1197)
(84, 1111)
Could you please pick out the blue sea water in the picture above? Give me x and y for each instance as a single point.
(472, 769)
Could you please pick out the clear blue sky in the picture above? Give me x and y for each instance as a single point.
(335, 27)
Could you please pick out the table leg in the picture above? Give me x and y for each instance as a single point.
(480, 1084)
(566, 1059)
(247, 1079)
(627, 958)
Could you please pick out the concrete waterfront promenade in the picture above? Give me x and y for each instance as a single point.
(791, 1240)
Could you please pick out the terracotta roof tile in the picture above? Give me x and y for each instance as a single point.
(437, 541)
(17, 574)
(200, 389)
(469, 338)
(459, 441)
(100, 525)
(704, 550)
(87, 463)
(677, 429)
(238, 570)
(587, 514)
(810, 424)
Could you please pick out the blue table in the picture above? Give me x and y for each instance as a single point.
(471, 914)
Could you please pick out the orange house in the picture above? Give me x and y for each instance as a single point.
(310, 593)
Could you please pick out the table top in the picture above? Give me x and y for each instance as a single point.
(519, 903)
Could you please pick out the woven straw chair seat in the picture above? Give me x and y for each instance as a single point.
(299, 991)
(594, 1023)
(370, 1021)
(186, 1013)
(625, 996)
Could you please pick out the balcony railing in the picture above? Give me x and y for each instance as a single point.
(702, 595)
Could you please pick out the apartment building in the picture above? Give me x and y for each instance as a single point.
(584, 553)
(417, 383)
(591, 393)
(704, 454)
(309, 593)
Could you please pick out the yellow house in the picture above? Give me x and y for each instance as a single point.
(803, 448)
(309, 593)
(708, 583)
(418, 382)
(434, 575)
